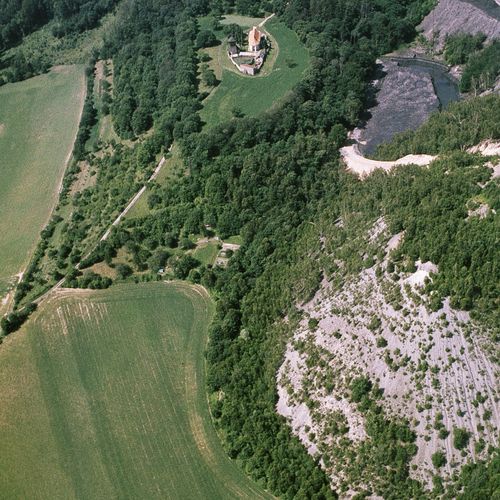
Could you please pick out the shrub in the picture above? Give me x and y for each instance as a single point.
(375, 323)
(123, 271)
(187, 244)
(360, 387)
(313, 323)
(438, 459)
(460, 438)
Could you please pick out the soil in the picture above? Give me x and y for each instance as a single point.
(362, 166)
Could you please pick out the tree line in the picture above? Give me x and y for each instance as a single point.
(21, 17)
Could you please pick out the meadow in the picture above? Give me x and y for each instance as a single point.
(39, 119)
(103, 396)
(254, 95)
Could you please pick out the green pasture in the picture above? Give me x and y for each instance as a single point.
(103, 396)
(254, 95)
(39, 119)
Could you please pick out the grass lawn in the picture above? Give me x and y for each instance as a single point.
(38, 123)
(234, 240)
(254, 95)
(103, 396)
(207, 253)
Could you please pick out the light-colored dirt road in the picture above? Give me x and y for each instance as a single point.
(357, 163)
(265, 20)
(132, 202)
(362, 166)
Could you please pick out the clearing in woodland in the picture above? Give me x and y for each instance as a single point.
(39, 119)
(104, 397)
(254, 95)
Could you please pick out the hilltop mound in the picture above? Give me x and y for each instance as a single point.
(466, 16)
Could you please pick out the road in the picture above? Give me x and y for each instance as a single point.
(362, 166)
(124, 212)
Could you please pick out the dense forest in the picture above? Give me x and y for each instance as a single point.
(269, 179)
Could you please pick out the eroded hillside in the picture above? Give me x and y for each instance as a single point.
(386, 375)
(462, 16)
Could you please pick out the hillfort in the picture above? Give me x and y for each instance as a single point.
(249, 62)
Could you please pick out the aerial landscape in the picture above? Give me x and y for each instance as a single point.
(250, 249)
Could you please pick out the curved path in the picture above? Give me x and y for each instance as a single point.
(357, 163)
(362, 166)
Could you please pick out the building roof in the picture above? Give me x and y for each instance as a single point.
(254, 37)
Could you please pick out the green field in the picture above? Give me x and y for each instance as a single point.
(38, 123)
(254, 95)
(103, 396)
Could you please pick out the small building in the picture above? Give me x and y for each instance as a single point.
(255, 38)
(247, 69)
(232, 48)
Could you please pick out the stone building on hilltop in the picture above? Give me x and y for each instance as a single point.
(255, 39)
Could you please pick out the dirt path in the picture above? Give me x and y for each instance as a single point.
(265, 20)
(362, 166)
(104, 237)
(137, 197)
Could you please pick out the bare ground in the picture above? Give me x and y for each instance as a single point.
(435, 368)
(462, 16)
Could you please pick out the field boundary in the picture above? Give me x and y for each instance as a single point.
(6, 302)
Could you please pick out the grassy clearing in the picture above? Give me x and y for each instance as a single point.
(207, 253)
(173, 167)
(112, 402)
(234, 240)
(39, 120)
(254, 95)
(243, 21)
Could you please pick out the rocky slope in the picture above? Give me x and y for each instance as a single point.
(429, 367)
(405, 99)
(466, 16)
(434, 371)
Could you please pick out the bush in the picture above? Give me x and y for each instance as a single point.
(460, 46)
(360, 387)
(14, 320)
(460, 438)
(438, 459)
(375, 323)
(313, 323)
(123, 271)
(183, 265)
